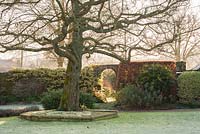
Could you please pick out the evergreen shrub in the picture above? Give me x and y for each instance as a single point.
(189, 86)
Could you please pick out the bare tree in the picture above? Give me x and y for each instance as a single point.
(89, 26)
(188, 43)
(186, 25)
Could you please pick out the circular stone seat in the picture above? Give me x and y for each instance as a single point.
(53, 115)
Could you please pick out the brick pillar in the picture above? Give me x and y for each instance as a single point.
(180, 66)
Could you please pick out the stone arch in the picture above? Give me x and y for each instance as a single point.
(98, 69)
(108, 79)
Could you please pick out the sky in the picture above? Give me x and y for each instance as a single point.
(195, 3)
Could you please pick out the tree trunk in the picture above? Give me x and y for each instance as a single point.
(70, 97)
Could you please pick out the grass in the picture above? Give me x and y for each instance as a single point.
(127, 123)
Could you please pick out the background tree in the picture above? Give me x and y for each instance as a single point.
(186, 25)
(105, 20)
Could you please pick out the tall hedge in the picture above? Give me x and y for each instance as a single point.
(189, 86)
(28, 85)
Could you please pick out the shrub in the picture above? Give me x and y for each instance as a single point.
(189, 86)
(157, 80)
(51, 99)
(130, 95)
(134, 97)
(87, 100)
(5, 98)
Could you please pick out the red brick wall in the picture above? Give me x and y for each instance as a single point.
(128, 72)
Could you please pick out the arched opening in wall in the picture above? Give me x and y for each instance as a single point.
(107, 82)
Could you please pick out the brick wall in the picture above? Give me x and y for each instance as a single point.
(128, 72)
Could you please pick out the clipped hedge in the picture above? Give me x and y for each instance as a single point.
(28, 85)
(189, 86)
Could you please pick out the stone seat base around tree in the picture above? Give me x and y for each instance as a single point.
(53, 115)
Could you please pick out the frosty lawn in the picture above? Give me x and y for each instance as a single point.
(127, 123)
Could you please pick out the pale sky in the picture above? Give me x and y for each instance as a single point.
(195, 3)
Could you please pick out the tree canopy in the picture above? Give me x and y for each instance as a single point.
(100, 24)
(186, 25)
